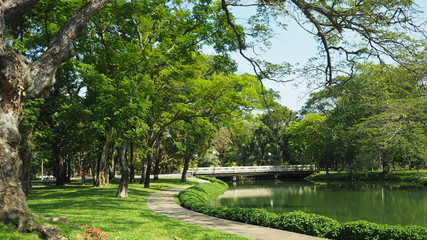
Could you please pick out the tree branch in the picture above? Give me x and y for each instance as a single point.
(305, 8)
(43, 70)
(14, 9)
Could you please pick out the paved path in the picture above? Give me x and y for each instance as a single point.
(163, 203)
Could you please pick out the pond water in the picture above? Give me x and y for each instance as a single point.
(386, 203)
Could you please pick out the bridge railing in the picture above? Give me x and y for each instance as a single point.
(251, 169)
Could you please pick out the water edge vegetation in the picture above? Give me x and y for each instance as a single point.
(197, 199)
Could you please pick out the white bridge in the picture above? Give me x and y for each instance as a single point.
(299, 171)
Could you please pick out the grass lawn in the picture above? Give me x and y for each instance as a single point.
(118, 218)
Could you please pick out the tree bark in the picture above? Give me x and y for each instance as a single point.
(26, 174)
(158, 158)
(112, 169)
(102, 174)
(131, 164)
(60, 171)
(70, 158)
(13, 206)
(143, 173)
(20, 79)
(186, 166)
(148, 169)
(124, 180)
(26, 156)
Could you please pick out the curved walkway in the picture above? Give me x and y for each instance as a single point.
(163, 203)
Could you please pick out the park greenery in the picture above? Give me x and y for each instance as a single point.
(197, 198)
(118, 218)
(123, 89)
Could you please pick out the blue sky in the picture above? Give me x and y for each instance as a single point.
(294, 46)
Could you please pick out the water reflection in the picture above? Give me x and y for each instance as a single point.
(375, 202)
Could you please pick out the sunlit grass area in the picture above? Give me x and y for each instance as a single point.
(118, 218)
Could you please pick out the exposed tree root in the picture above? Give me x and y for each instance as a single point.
(56, 219)
(24, 222)
(50, 232)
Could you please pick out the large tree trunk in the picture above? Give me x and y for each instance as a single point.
(19, 79)
(26, 156)
(124, 180)
(13, 206)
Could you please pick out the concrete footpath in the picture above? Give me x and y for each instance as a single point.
(163, 203)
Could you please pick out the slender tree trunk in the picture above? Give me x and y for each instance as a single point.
(186, 166)
(143, 173)
(69, 168)
(131, 163)
(124, 180)
(158, 159)
(112, 169)
(148, 170)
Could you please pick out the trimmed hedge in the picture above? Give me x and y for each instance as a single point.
(363, 230)
(197, 199)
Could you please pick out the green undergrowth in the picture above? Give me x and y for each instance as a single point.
(117, 218)
(197, 199)
(419, 177)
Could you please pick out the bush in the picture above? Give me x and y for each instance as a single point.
(363, 230)
(306, 223)
(197, 199)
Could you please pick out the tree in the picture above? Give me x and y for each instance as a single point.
(23, 78)
(222, 143)
(193, 139)
(347, 32)
(394, 136)
(374, 118)
(268, 143)
(307, 140)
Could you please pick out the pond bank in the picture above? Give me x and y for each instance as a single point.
(163, 203)
(419, 177)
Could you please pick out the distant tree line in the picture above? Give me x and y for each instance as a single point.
(375, 119)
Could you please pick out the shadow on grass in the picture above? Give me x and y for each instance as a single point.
(99, 206)
(124, 218)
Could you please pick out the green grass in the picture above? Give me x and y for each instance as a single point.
(119, 218)
(7, 233)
